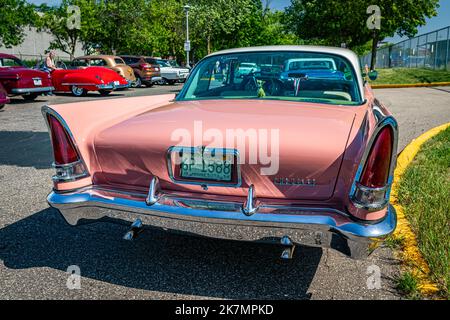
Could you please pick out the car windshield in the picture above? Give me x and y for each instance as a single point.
(163, 63)
(293, 76)
(10, 62)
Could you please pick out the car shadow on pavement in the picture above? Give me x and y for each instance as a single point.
(26, 149)
(159, 261)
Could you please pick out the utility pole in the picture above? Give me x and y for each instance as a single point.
(187, 44)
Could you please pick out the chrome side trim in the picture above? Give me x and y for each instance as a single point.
(225, 220)
(47, 110)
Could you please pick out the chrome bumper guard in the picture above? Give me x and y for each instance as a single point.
(316, 227)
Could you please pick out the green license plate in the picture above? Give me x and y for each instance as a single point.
(207, 168)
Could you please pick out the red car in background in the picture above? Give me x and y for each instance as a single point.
(18, 79)
(3, 97)
(79, 81)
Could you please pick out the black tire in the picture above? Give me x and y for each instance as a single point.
(78, 92)
(137, 83)
(162, 82)
(104, 93)
(171, 82)
(148, 84)
(1, 106)
(30, 97)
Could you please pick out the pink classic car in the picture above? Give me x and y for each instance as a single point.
(298, 156)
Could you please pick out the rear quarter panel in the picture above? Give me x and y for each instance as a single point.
(87, 119)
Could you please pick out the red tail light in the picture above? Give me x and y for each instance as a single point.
(371, 191)
(376, 170)
(145, 66)
(63, 147)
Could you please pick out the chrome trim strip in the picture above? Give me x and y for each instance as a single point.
(32, 90)
(225, 219)
(47, 110)
(233, 152)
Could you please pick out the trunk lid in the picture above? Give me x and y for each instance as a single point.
(311, 142)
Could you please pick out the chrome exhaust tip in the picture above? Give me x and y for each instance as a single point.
(135, 230)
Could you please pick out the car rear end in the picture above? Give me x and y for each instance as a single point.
(331, 187)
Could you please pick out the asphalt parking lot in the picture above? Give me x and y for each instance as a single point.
(37, 246)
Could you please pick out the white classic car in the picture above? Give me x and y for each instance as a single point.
(170, 74)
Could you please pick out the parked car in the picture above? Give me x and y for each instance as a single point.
(169, 74)
(153, 163)
(3, 97)
(146, 72)
(111, 62)
(19, 80)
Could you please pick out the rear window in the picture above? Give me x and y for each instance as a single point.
(294, 76)
(131, 60)
(119, 61)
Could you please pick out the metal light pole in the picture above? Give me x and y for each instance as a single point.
(187, 44)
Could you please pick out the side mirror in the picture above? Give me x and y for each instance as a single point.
(373, 75)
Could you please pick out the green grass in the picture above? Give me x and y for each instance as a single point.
(394, 242)
(411, 76)
(424, 192)
(408, 284)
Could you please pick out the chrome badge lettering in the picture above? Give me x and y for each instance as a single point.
(294, 182)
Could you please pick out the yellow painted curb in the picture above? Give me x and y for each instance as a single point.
(412, 85)
(411, 253)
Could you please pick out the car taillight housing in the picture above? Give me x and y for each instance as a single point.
(68, 164)
(372, 188)
(145, 66)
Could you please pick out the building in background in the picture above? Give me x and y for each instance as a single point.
(34, 46)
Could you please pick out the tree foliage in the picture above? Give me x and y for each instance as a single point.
(345, 21)
(158, 27)
(15, 15)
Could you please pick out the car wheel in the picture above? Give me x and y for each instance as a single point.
(104, 92)
(148, 84)
(78, 92)
(163, 81)
(172, 82)
(137, 83)
(30, 97)
(1, 106)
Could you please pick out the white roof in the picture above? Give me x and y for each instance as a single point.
(345, 53)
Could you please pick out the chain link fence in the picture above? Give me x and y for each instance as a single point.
(431, 51)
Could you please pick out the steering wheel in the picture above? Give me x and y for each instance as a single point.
(62, 65)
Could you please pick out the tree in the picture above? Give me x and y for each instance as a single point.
(345, 21)
(60, 22)
(14, 16)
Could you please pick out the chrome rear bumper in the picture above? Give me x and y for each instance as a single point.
(305, 226)
(32, 90)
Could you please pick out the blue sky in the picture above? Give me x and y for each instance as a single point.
(440, 21)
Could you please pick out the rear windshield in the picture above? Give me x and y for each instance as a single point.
(294, 76)
(131, 60)
(119, 61)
